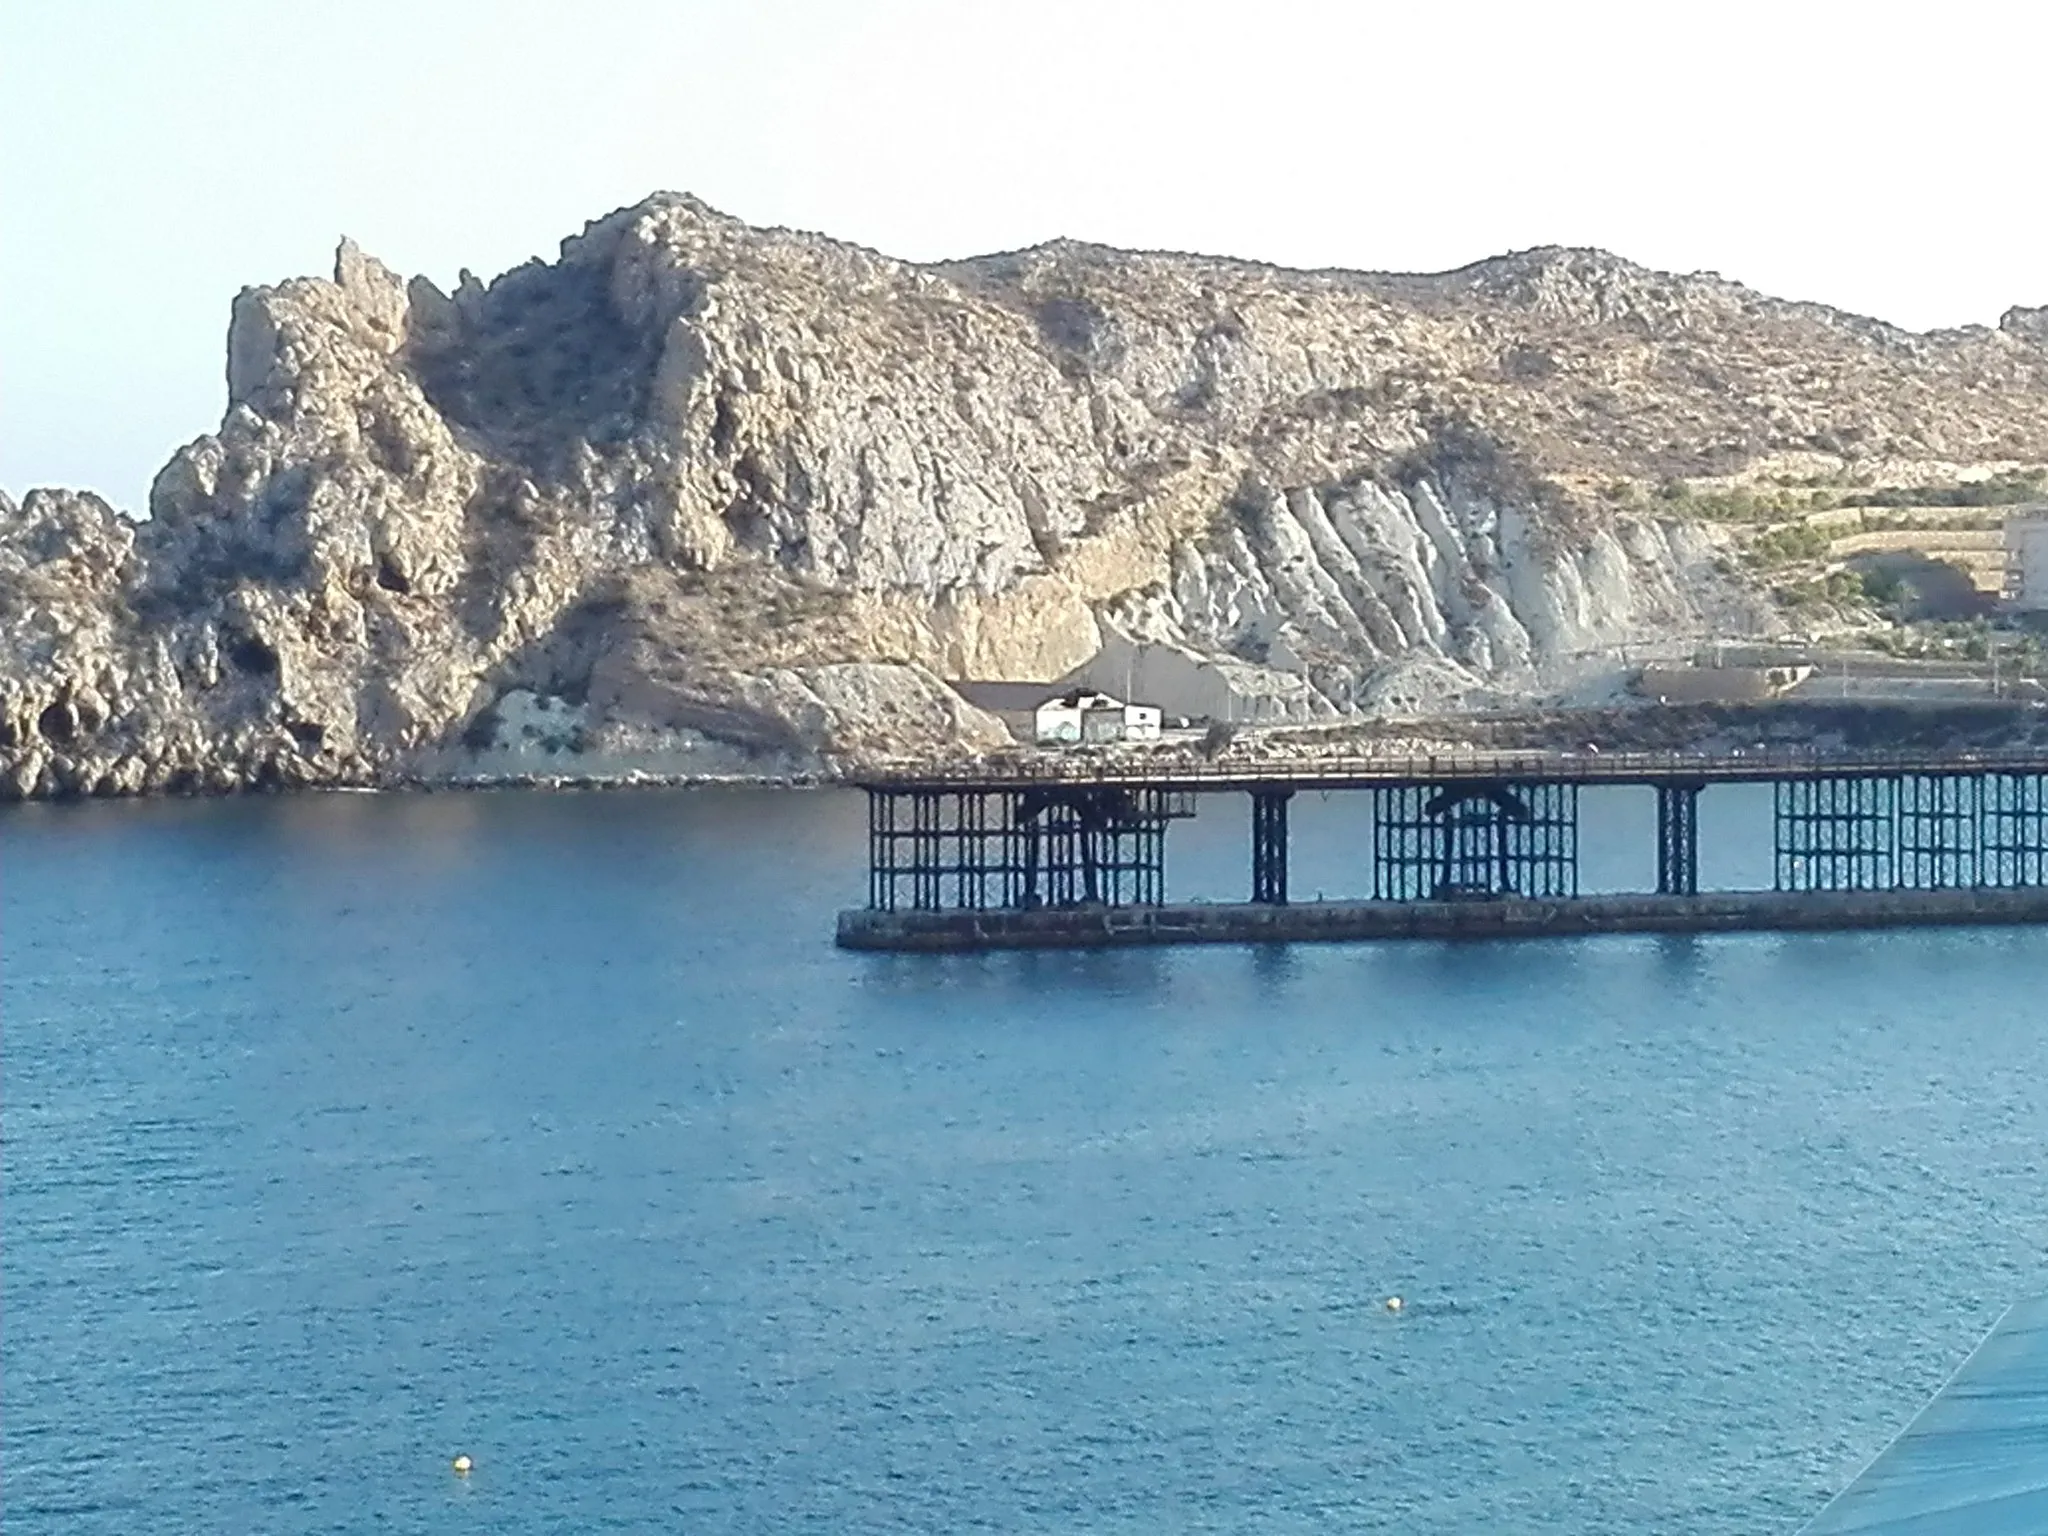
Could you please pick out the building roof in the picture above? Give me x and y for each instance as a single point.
(1004, 696)
(1016, 697)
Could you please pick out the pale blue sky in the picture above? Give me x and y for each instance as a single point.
(157, 156)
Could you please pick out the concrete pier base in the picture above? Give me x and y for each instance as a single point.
(1260, 923)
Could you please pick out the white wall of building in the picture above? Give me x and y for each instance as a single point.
(2026, 559)
(1057, 723)
(1094, 717)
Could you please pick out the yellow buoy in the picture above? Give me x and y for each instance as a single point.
(1394, 1303)
(462, 1465)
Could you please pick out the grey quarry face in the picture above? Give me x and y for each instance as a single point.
(699, 498)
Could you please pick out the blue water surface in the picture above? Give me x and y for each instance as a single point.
(347, 1133)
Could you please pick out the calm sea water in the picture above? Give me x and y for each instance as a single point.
(345, 1134)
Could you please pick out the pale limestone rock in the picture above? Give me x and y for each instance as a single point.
(2029, 325)
(704, 498)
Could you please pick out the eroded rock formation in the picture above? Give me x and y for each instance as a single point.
(704, 497)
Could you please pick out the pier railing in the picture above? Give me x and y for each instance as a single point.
(1173, 771)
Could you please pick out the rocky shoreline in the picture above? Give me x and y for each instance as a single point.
(698, 497)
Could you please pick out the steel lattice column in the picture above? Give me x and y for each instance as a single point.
(881, 850)
(1678, 839)
(1837, 833)
(2015, 830)
(1087, 845)
(1942, 830)
(1269, 845)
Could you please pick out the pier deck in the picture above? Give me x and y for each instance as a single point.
(1177, 772)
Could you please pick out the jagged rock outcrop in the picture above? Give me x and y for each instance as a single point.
(703, 494)
(2029, 325)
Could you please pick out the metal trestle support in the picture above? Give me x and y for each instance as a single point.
(1269, 845)
(1678, 839)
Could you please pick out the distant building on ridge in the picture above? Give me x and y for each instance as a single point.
(2026, 558)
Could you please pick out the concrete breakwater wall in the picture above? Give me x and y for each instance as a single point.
(1253, 923)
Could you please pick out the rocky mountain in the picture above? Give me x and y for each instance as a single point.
(702, 497)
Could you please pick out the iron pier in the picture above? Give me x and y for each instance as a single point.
(1071, 849)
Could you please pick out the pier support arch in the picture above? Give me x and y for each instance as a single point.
(1472, 840)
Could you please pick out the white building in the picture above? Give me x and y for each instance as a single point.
(2026, 559)
(1083, 717)
(1201, 687)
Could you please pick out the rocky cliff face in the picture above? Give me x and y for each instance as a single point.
(704, 497)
